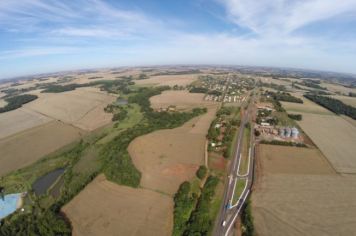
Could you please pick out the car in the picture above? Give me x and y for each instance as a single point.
(223, 223)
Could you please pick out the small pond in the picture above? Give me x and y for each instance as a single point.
(121, 101)
(56, 189)
(43, 183)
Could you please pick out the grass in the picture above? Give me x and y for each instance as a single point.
(134, 116)
(283, 118)
(195, 185)
(239, 187)
(245, 151)
(22, 180)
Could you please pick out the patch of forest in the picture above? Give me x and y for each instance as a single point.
(17, 102)
(333, 105)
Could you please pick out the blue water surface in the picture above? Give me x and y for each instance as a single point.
(9, 204)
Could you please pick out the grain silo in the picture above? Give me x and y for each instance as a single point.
(281, 132)
(287, 132)
(295, 132)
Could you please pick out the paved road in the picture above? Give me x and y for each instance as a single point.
(228, 213)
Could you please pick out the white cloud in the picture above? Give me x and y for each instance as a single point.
(284, 16)
(36, 51)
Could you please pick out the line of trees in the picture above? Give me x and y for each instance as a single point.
(333, 105)
(17, 102)
(248, 228)
(285, 97)
(295, 116)
(200, 221)
(283, 143)
(184, 202)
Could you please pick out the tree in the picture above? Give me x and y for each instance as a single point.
(201, 172)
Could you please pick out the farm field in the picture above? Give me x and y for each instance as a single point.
(293, 160)
(337, 88)
(2, 102)
(104, 207)
(292, 198)
(170, 80)
(181, 99)
(83, 107)
(166, 158)
(19, 120)
(305, 205)
(307, 106)
(335, 137)
(24, 148)
(347, 100)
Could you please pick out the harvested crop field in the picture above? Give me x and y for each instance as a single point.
(302, 200)
(166, 158)
(83, 108)
(335, 137)
(293, 160)
(307, 106)
(181, 99)
(105, 208)
(289, 205)
(351, 101)
(24, 148)
(170, 80)
(19, 120)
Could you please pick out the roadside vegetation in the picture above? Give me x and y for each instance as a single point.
(239, 187)
(201, 172)
(201, 221)
(248, 228)
(283, 143)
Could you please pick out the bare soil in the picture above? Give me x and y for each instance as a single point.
(293, 160)
(105, 208)
(166, 158)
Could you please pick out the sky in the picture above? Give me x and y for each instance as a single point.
(40, 36)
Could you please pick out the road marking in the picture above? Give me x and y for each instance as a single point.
(237, 213)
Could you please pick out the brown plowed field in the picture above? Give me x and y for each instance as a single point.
(105, 208)
(166, 158)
